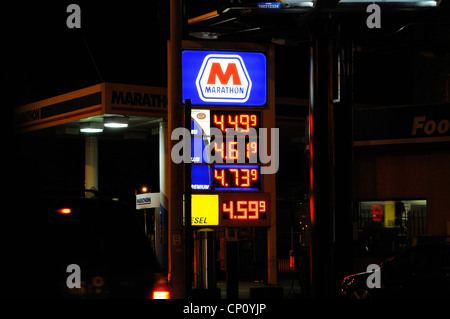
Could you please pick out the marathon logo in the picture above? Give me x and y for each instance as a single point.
(137, 98)
(223, 78)
(144, 201)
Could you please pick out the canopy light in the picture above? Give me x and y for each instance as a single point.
(91, 127)
(115, 122)
(395, 3)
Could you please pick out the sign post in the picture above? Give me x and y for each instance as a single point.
(177, 260)
(188, 205)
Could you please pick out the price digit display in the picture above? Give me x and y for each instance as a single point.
(248, 210)
(237, 143)
(244, 209)
(236, 177)
(231, 151)
(240, 122)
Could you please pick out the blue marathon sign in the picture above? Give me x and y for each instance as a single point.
(224, 78)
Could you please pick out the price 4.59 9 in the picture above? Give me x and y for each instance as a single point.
(244, 209)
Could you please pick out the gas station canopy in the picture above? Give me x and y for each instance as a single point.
(94, 107)
(284, 18)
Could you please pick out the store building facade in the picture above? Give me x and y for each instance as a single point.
(401, 176)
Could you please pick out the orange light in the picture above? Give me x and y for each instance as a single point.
(64, 211)
(160, 294)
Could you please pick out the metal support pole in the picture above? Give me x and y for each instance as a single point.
(330, 142)
(187, 205)
(177, 261)
(343, 155)
(321, 164)
(269, 179)
(91, 165)
(164, 160)
(232, 252)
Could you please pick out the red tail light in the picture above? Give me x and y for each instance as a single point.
(159, 294)
(160, 288)
(64, 210)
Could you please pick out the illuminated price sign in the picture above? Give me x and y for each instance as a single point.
(240, 150)
(253, 209)
(236, 177)
(243, 148)
(241, 122)
(238, 142)
(226, 177)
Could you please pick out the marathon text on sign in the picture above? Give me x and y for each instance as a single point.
(224, 78)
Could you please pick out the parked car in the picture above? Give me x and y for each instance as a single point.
(422, 271)
(82, 248)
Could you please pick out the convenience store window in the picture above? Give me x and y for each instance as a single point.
(388, 226)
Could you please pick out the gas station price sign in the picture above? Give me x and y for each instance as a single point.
(228, 162)
(226, 177)
(253, 209)
(225, 132)
(243, 148)
(234, 138)
(239, 150)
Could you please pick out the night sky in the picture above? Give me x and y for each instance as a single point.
(117, 42)
(125, 42)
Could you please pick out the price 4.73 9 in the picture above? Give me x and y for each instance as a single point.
(237, 177)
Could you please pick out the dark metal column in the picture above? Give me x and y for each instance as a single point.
(321, 168)
(177, 261)
(330, 142)
(188, 205)
(343, 154)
